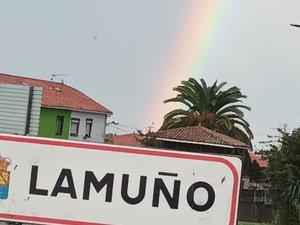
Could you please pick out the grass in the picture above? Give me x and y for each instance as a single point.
(247, 223)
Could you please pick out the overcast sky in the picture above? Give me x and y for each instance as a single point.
(114, 51)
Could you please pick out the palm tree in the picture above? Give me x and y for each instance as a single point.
(210, 107)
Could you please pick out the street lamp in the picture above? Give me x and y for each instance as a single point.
(113, 123)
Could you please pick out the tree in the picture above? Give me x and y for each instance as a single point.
(255, 172)
(283, 173)
(210, 107)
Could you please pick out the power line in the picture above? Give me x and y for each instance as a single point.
(127, 127)
(133, 125)
(117, 128)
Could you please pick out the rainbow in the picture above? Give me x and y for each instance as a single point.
(199, 26)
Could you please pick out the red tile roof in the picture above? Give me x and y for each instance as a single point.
(201, 135)
(195, 134)
(263, 163)
(58, 95)
(125, 139)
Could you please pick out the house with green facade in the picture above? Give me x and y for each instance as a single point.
(65, 112)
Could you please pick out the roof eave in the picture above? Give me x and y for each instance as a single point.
(77, 110)
(203, 143)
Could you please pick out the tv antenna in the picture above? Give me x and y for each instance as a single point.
(54, 76)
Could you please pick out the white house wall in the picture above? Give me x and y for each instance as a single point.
(98, 127)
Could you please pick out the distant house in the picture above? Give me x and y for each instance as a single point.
(198, 139)
(201, 140)
(260, 160)
(66, 113)
(188, 139)
(133, 139)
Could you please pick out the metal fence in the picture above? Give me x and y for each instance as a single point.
(255, 206)
(20, 107)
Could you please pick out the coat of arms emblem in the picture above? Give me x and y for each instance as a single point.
(4, 177)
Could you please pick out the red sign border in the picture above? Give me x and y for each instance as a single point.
(123, 149)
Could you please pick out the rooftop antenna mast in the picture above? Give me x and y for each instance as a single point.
(54, 76)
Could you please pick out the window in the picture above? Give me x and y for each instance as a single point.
(59, 125)
(74, 127)
(88, 127)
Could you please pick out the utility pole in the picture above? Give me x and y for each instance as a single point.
(284, 127)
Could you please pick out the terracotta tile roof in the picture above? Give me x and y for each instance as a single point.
(58, 95)
(198, 134)
(125, 139)
(263, 163)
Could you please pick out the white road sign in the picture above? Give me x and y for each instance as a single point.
(63, 182)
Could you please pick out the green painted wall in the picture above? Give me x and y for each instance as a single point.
(47, 127)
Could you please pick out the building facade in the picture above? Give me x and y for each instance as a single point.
(20, 108)
(87, 125)
(65, 112)
(54, 123)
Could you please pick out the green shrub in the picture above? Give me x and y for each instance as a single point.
(283, 174)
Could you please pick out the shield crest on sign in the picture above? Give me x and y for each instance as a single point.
(4, 177)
